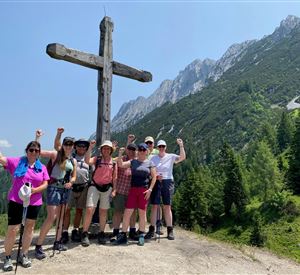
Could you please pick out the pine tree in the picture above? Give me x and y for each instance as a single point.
(293, 174)
(234, 191)
(284, 132)
(265, 178)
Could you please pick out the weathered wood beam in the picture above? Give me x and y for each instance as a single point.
(59, 51)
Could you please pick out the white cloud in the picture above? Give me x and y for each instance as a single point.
(4, 143)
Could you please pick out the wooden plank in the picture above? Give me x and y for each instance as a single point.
(105, 81)
(92, 61)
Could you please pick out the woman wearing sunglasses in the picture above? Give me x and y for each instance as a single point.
(62, 170)
(164, 187)
(26, 169)
(143, 177)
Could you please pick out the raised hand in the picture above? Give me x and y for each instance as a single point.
(131, 138)
(60, 130)
(121, 151)
(179, 142)
(92, 144)
(39, 133)
(115, 145)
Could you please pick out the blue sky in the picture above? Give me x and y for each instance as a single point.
(162, 37)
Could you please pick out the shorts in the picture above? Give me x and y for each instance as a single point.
(119, 202)
(57, 195)
(162, 189)
(93, 195)
(136, 198)
(15, 212)
(78, 199)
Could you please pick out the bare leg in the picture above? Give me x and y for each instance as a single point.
(102, 219)
(126, 219)
(117, 218)
(28, 235)
(51, 216)
(142, 220)
(154, 208)
(88, 218)
(78, 217)
(10, 238)
(67, 218)
(133, 219)
(168, 215)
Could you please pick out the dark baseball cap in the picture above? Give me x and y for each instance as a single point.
(68, 140)
(132, 146)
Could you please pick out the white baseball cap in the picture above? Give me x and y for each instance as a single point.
(25, 193)
(161, 142)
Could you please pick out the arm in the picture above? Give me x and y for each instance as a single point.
(87, 157)
(38, 134)
(114, 180)
(120, 162)
(182, 155)
(131, 139)
(57, 143)
(153, 180)
(3, 160)
(69, 184)
(39, 189)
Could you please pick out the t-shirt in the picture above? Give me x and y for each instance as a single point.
(140, 172)
(82, 170)
(153, 153)
(35, 178)
(104, 172)
(164, 165)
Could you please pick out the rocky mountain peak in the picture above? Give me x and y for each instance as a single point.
(286, 26)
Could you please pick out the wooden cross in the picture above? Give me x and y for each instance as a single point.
(106, 68)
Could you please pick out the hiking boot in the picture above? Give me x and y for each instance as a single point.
(150, 233)
(75, 236)
(39, 253)
(85, 239)
(141, 241)
(8, 266)
(134, 236)
(59, 246)
(114, 235)
(170, 233)
(101, 238)
(24, 261)
(121, 239)
(64, 237)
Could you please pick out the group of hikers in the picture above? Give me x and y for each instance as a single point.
(139, 175)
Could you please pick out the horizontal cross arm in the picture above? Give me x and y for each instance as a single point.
(59, 51)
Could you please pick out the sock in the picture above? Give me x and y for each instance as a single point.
(8, 257)
(116, 231)
(132, 230)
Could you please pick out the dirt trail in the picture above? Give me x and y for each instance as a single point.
(187, 254)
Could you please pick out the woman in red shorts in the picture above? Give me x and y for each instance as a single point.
(143, 178)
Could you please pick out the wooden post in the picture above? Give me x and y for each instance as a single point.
(105, 81)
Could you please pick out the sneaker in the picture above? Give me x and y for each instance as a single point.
(121, 239)
(39, 253)
(75, 236)
(150, 233)
(64, 237)
(101, 238)
(141, 241)
(170, 233)
(134, 236)
(59, 246)
(85, 239)
(8, 266)
(24, 261)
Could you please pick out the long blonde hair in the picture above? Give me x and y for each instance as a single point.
(61, 159)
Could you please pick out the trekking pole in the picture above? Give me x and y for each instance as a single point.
(58, 224)
(25, 207)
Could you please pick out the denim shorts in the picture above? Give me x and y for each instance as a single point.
(57, 195)
(162, 189)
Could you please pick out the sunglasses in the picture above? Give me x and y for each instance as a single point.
(81, 146)
(31, 150)
(161, 146)
(142, 150)
(149, 142)
(68, 144)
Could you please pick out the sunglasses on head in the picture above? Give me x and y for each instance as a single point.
(149, 142)
(161, 146)
(31, 150)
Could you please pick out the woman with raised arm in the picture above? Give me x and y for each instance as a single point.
(143, 177)
(62, 175)
(25, 170)
(164, 187)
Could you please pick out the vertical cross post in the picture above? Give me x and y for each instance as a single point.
(105, 81)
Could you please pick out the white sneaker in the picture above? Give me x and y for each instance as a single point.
(8, 266)
(24, 261)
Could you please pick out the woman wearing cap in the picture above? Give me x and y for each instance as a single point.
(164, 186)
(102, 189)
(142, 170)
(78, 195)
(23, 169)
(62, 170)
(151, 150)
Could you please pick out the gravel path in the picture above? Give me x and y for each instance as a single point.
(187, 254)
